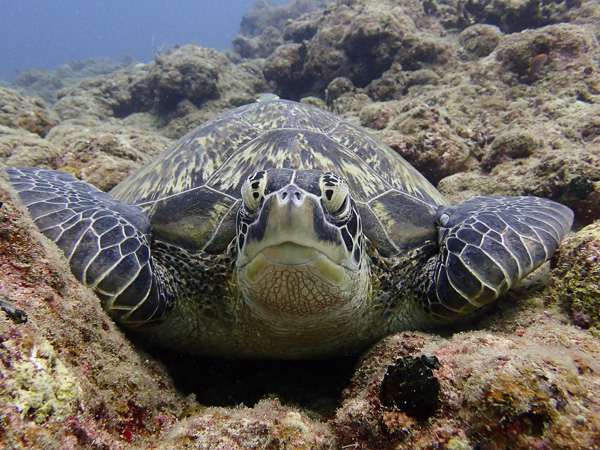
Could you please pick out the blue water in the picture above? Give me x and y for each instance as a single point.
(41, 34)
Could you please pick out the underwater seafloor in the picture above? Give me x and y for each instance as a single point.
(493, 97)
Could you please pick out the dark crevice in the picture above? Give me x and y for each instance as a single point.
(311, 385)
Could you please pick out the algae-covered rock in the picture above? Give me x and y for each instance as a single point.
(284, 68)
(570, 176)
(190, 73)
(45, 84)
(264, 14)
(430, 140)
(70, 378)
(521, 390)
(509, 16)
(336, 88)
(42, 385)
(19, 147)
(481, 40)
(17, 111)
(257, 47)
(563, 41)
(576, 284)
(103, 154)
(509, 145)
(356, 40)
(267, 425)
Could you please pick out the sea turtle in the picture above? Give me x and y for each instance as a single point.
(278, 230)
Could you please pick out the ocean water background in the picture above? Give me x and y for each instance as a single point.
(42, 34)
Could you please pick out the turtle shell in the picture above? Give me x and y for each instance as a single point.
(192, 190)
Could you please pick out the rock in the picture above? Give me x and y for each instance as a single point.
(422, 77)
(192, 76)
(378, 115)
(509, 145)
(527, 389)
(350, 104)
(104, 154)
(314, 101)
(109, 96)
(392, 85)
(570, 176)
(419, 50)
(25, 113)
(264, 14)
(336, 88)
(410, 386)
(284, 68)
(481, 40)
(22, 148)
(358, 40)
(45, 84)
(509, 16)
(577, 281)
(373, 37)
(429, 140)
(561, 42)
(267, 425)
(195, 74)
(257, 47)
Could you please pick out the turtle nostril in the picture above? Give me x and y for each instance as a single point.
(291, 194)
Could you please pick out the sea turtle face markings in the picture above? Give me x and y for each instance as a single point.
(293, 223)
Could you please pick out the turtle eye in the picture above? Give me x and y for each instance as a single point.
(335, 194)
(253, 190)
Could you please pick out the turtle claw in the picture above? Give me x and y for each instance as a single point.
(487, 244)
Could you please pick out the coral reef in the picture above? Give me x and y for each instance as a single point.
(526, 390)
(22, 148)
(21, 112)
(264, 14)
(577, 282)
(45, 84)
(267, 425)
(104, 153)
(486, 97)
(176, 84)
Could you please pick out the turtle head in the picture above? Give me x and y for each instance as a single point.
(299, 243)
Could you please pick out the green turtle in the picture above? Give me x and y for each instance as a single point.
(278, 230)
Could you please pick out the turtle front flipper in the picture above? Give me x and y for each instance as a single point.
(105, 241)
(487, 244)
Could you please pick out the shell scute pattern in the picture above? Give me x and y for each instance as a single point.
(192, 190)
(189, 164)
(394, 171)
(281, 114)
